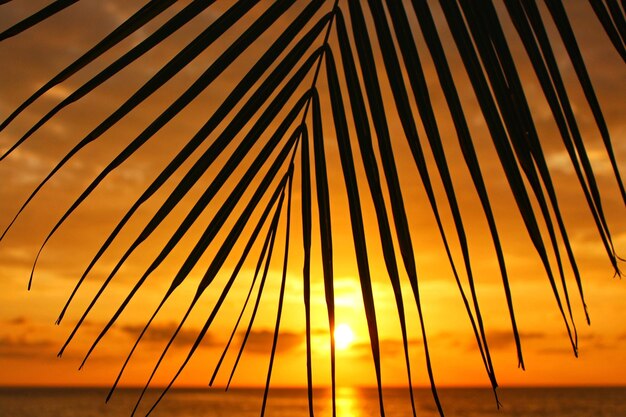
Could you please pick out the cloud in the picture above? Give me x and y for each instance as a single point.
(161, 333)
(504, 339)
(23, 347)
(388, 347)
(17, 321)
(556, 351)
(498, 340)
(260, 341)
(22, 342)
(551, 343)
(22, 338)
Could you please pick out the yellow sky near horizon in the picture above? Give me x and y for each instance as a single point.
(29, 340)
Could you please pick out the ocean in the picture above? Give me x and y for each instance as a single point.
(351, 402)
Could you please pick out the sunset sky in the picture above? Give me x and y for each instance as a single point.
(29, 340)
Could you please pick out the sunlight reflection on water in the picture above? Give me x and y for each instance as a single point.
(347, 400)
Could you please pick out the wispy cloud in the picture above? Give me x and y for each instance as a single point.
(22, 347)
(160, 333)
(260, 341)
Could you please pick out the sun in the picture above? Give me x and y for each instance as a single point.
(343, 336)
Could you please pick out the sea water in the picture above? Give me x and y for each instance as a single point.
(350, 402)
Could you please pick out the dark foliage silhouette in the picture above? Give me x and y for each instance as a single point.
(354, 78)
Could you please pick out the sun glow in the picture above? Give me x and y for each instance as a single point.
(344, 336)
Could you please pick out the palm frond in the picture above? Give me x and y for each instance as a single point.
(362, 69)
(41, 15)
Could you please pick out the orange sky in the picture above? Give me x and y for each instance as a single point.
(29, 340)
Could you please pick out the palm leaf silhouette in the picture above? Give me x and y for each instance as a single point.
(338, 75)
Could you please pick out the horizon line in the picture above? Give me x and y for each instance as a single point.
(304, 387)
